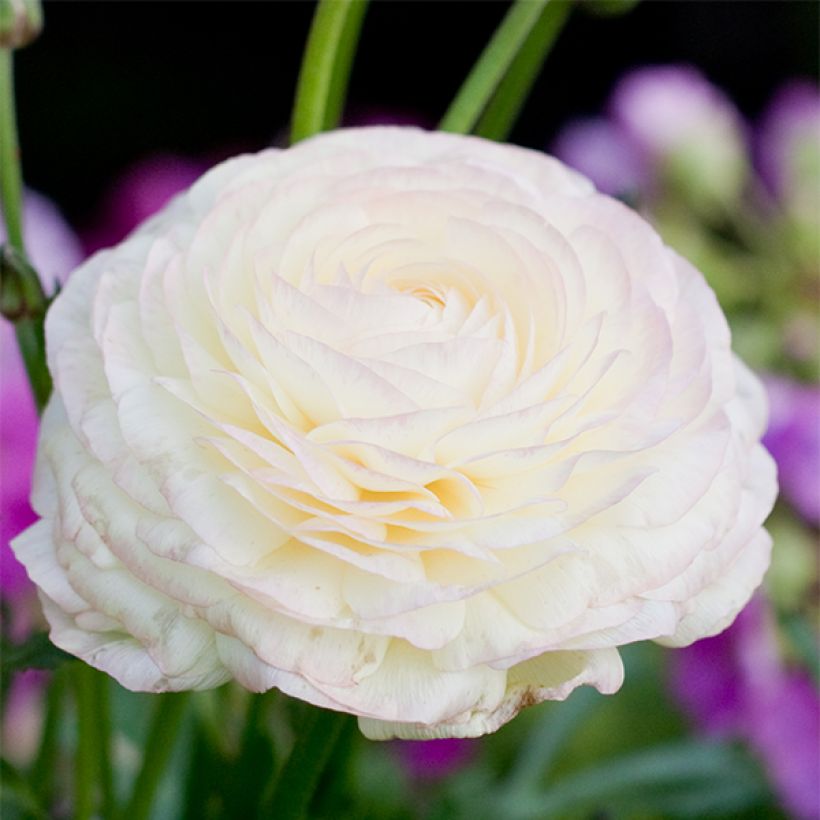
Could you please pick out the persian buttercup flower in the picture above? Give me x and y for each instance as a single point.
(410, 425)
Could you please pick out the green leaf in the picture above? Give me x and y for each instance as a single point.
(169, 711)
(322, 85)
(547, 738)
(492, 66)
(296, 782)
(503, 109)
(18, 796)
(652, 779)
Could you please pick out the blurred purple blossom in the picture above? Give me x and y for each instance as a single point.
(662, 108)
(793, 438)
(737, 684)
(604, 152)
(791, 120)
(433, 759)
(660, 118)
(54, 251)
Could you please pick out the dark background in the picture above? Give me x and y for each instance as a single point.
(110, 82)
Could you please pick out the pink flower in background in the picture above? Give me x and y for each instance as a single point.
(604, 152)
(54, 251)
(737, 684)
(138, 193)
(789, 126)
(793, 438)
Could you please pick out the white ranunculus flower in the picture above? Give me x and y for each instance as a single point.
(410, 425)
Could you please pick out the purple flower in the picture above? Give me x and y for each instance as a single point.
(54, 251)
(663, 107)
(684, 125)
(793, 438)
(737, 684)
(604, 152)
(433, 759)
(789, 127)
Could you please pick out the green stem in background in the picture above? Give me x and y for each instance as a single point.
(162, 734)
(296, 783)
(42, 773)
(503, 109)
(10, 180)
(29, 322)
(322, 86)
(24, 303)
(32, 343)
(495, 61)
(86, 757)
(102, 695)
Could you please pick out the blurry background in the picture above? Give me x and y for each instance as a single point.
(121, 104)
(109, 82)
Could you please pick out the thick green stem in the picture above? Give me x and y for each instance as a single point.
(503, 109)
(85, 762)
(32, 344)
(162, 734)
(492, 66)
(322, 86)
(102, 694)
(29, 325)
(42, 773)
(10, 180)
(297, 781)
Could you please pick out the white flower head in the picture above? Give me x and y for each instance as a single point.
(410, 425)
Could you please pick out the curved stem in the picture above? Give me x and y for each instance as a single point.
(492, 66)
(503, 109)
(322, 86)
(10, 179)
(162, 734)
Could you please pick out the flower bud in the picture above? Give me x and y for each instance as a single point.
(20, 22)
(21, 294)
(687, 128)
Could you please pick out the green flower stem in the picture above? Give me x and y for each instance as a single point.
(297, 781)
(495, 61)
(32, 344)
(85, 762)
(167, 719)
(102, 694)
(10, 180)
(503, 109)
(29, 328)
(42, 773)
(322, 86)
